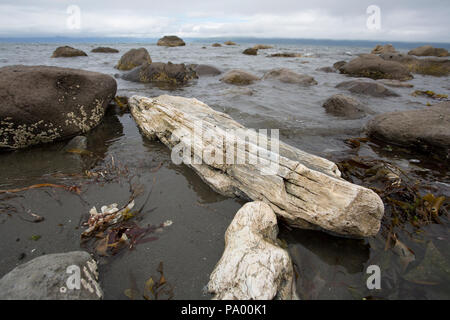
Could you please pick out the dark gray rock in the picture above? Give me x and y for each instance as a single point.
(68, 52)
(289, 76)
(425, 130)
(347, 107)
(370, 88)
(53, 277)
(171, 41)
(250, 52)
(133, 58)
(41, 104)
(162, 73)
(104, 50)
(204, 70)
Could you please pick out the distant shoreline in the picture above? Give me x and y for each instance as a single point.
(243, 40)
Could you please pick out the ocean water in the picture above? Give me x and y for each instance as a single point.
(331, 268)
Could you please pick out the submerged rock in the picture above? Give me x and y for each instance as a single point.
(262, 47)
(387, 48)
(304, 190)
(53, 277)
(286, 55)
(425, 130)
(250, 52)
(289, 76)
(428, 66)
(68, 52)
(204, 70)
(374, 67)
(133, 58)
(370, 88)
(41, 104)
(104, 50)
(163, 73)
(239, 77)
(343, 106)
(327, 69)
(171, 41)
(426, 51)
(253, 266)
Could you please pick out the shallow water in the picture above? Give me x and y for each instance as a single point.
(328, 267)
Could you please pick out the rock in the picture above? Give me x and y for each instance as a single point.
(262, 47)
(426, 51)
(305, 191)
(68, 52)
(428, 66)
(239, 77)
(343, 106)
(338, 65)
(171, 41)
(204, 70)
(327, 69)
(425, 130)
(434, 268)
(229, 43)
(370, 88)
(374, 67)
(77, 143)
(216, 45)
(162, 73)
(250, 52)
(395, 83)
(286, 55)
(51, 277)
(289, 76)
(105, 50)
(133, 58)
(387, 48)
(41, 104)
(253, 266)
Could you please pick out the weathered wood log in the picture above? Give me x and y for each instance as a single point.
(306, 191)
(253, 266)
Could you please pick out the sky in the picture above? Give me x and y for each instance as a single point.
(398, 20)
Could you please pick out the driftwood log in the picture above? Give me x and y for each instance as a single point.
(253, 265)
(305, 191)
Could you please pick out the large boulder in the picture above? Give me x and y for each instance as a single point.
(374, 67)
(162, 73)
(426, 51)
(250, 52)
(239, 77)
(426, 130)
(387, 48)
(68, 52)
(205, 70)
(289, 76)
(370, 88)
(133, 58)
(304, 190)
(340, 105)
(41, 104)
(65, 276)
(428, 66)
(253, 266)
(104, 50)
(171, 41)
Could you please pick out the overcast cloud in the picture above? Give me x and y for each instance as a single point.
(401, 20)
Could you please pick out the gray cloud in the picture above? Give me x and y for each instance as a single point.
(401, 20)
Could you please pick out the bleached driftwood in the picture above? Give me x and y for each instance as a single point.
(253, 266)
(306, 191)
